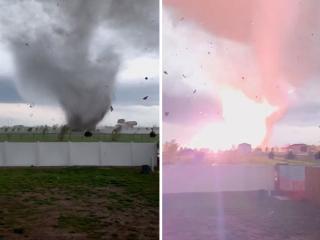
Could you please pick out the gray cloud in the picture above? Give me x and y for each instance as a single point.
(129, 94)
(303, 114)
(8, 92)
(59, 51)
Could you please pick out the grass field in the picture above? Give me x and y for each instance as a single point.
(78, 203)
(12, 137)
(238, 216)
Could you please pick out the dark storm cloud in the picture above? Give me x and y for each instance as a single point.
(303, 114)
(58, 52)
(126, 94)
(8, 92)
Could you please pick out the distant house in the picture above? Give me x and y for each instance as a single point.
(298, 149)
(244, 148)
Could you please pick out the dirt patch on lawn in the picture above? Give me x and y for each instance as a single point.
(78, 212)
(104, 213)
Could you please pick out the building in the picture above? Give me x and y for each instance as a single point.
(244, 148)
(298, 149)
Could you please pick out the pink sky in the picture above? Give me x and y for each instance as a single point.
(273, 52)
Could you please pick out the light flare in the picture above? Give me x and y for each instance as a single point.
(244, 120)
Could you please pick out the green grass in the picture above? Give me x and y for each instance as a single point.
(15, 137)
(80, 180)
(79, 200)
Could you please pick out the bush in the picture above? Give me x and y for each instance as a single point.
(290, 155)
(317, 156)
(271, 155)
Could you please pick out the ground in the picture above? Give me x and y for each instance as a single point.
(78, 203)
(238, 216)
(30, 137)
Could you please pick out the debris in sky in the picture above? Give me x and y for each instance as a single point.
(209, 53)
(146, 78)
(145, 98)
(181, 19)
(111, 108)
(194, 91)
(166, 114)
(84, 76)
(184, 76)
(165, 72)
(242, 77)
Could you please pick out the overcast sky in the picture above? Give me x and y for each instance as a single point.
(207, 44)
(130, 30)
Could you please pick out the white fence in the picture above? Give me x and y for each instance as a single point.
(77, 154)
(181, 178)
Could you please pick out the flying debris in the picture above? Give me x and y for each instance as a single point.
(184, 76)
(86, 73)
(166, 114)
(146, 78)
(165, 72)
(209, 53)
(111, 109)
(194, 91)
(88, 134)
(145, 98)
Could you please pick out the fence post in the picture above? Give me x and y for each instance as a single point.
(131, 153)
(37, 163)
(154, 157)
(69, 154)
(100, 153)
(4, 153)
(152, 164)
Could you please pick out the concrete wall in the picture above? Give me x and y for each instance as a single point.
(77, 154)
(181, 178)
